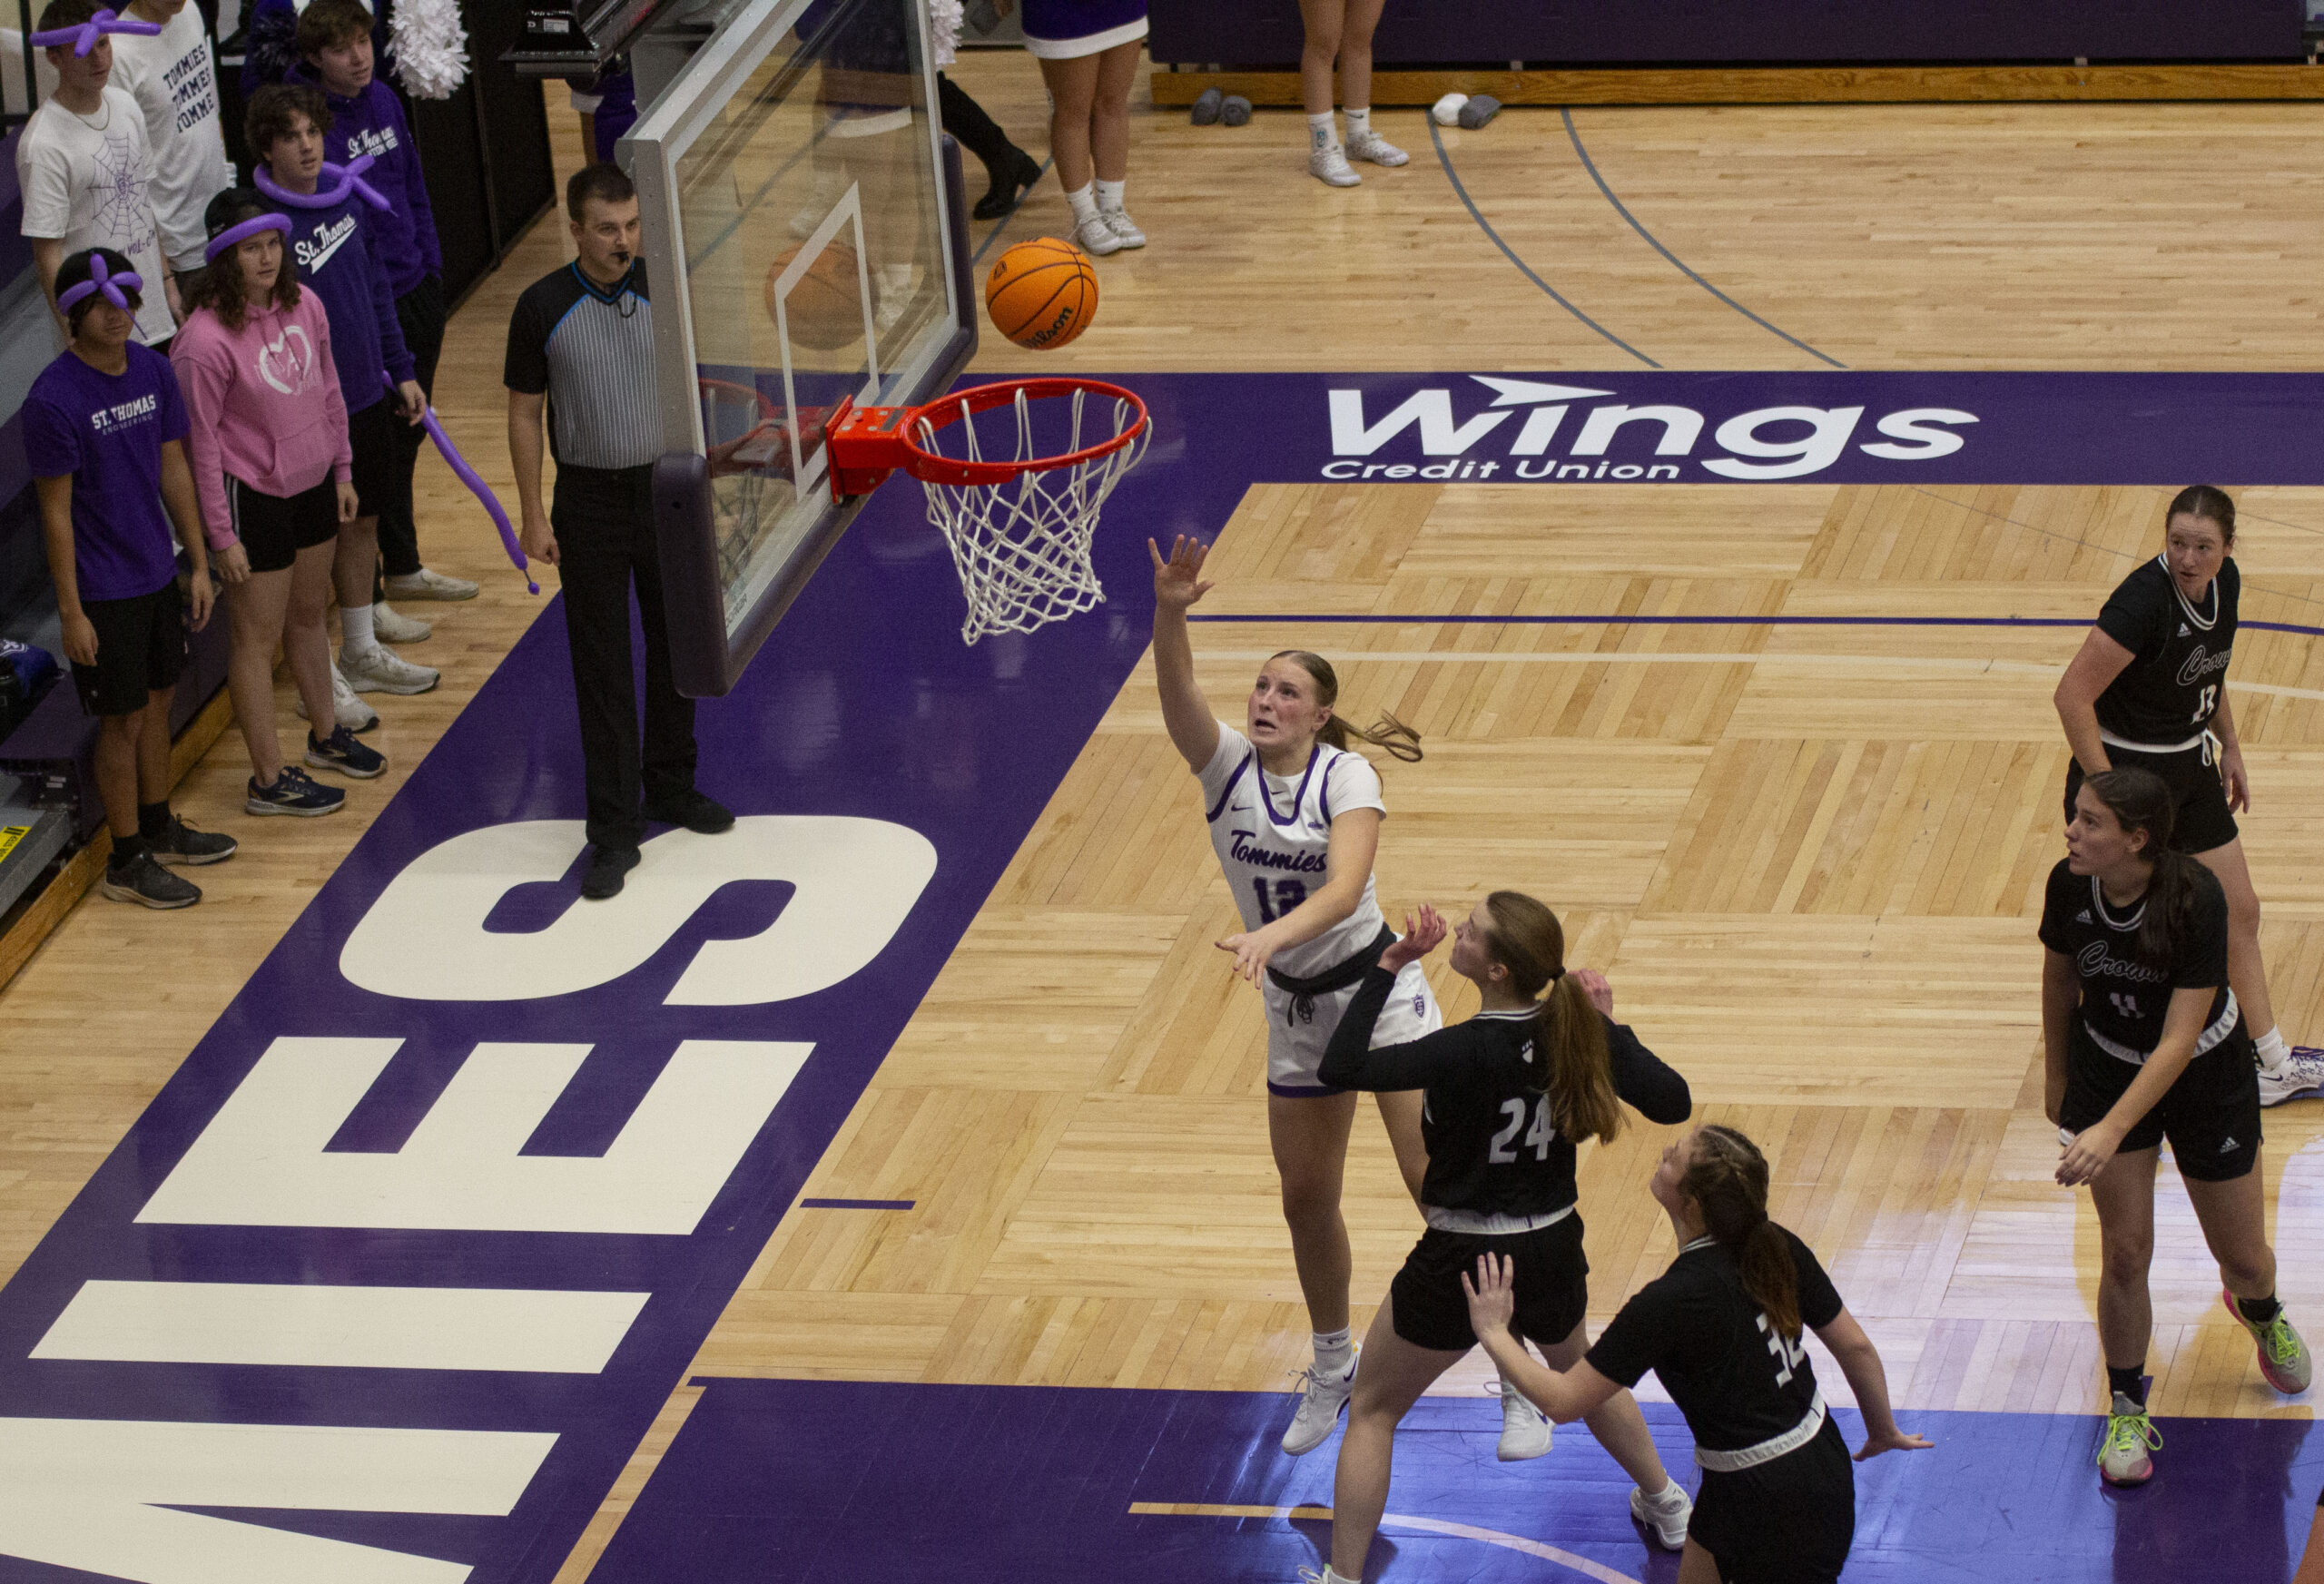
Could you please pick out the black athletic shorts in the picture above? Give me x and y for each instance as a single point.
(1551, 1274)
(2210, 1115)
(372, 432)
(1790, 1521)
(140, 649)
(274, 528)
(2203, 819)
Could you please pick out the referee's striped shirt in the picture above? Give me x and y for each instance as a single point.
(590, 349)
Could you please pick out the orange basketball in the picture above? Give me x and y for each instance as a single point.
(824, 309)
(1042, 293)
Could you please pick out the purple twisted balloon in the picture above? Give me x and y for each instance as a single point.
(233, 237)
(84, 37)
(101, 279)
(477, 486)
(332, 185)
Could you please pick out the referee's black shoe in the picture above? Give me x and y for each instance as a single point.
(705, 816)
(607, 866)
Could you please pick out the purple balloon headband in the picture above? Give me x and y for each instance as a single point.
(332, 185)
(82, 36)
(233, 237)
(101, 280)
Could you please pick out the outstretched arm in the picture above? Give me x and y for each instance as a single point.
(1565, 1395)
(1860, 1362)
(1177, 585)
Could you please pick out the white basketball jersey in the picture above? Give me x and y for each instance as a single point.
(1273, 835)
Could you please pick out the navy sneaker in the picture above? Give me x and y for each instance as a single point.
(294, 793)
(182, 843)
(342, 753)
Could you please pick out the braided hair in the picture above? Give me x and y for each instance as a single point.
(1728, 1178)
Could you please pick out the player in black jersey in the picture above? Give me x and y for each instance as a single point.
(2149, 689)
(1508, 1097)
(1721, 1328)
(2144, 1041)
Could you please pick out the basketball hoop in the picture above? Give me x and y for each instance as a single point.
(1021, 528)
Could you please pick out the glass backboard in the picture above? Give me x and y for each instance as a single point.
(804, 243)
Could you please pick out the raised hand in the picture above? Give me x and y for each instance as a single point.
(1423, 933)
(1179, 581)
(1594, 986)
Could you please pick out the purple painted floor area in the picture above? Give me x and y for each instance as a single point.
(846, 1482)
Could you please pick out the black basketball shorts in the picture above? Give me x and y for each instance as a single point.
(1790, 1521)
(1552, 1277)
(2210, 1115)
(2203, 819)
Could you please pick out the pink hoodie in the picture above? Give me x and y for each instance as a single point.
(266, 405)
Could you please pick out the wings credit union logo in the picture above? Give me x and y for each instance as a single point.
(1766, 443)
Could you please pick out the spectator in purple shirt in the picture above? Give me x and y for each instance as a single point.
(104, 433)
(335, 56)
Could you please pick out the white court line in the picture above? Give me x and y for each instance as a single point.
(301, 1323)
(1492, 1537)
(1904, 664)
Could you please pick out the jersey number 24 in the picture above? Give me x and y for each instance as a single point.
(1504, 1151)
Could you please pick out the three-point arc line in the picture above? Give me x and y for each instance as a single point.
(1492, 1537)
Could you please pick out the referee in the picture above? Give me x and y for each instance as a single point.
(581, 343)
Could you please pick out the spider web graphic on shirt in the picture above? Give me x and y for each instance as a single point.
(123, 220)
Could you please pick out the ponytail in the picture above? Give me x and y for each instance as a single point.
(1578, 1074)
(2141, 800)
(1388, 733)
(1727, 1180)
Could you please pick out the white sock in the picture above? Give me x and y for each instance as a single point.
(1670, 1495)
(1359, 122)
(2273, 1051)
(1109, 195)
(1085, 205)
(1334, 1351)
(1320, 136)
(354, 629)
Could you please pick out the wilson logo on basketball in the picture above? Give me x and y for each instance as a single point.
(1041, 293)
(1765, 443)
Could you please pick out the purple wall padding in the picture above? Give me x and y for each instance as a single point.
(1266, 32)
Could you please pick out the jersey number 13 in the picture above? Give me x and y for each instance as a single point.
(1502, 1151)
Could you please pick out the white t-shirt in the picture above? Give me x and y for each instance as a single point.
(1272, 836)
(174, 77)
(86, 184)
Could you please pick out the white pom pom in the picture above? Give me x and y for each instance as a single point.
(1446, 112)
(944, 18)
(430, 47)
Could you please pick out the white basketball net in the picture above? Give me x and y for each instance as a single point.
(1022, 548)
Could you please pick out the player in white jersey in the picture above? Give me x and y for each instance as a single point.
(1295, 818)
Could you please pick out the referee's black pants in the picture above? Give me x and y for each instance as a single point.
(604, 522)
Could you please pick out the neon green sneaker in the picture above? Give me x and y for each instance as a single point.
(2129, 1436)
(2283, 1356)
